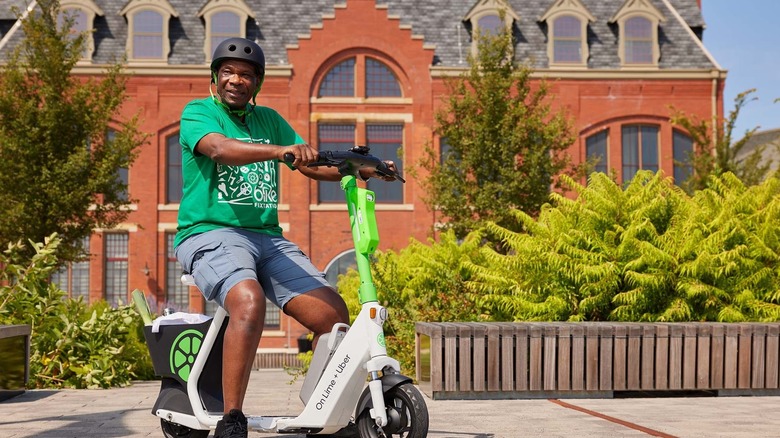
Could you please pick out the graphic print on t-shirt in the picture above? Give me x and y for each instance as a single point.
(252, 184)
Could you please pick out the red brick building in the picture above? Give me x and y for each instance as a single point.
(371, 72)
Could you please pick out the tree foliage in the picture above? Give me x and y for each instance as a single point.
(58, 165)
(506, 146)
(72, 345)
(717, 151)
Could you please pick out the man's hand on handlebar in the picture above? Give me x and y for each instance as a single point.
(303, 153)
(385, 173)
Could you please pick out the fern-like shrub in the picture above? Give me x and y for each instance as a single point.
(648, 252)
(72, 345)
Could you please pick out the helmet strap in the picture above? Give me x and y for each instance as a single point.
(238, 113)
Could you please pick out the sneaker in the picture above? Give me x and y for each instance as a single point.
(232, 425)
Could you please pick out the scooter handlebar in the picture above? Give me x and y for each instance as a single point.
(349, 162)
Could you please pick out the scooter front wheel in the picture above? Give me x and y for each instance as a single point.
(173, 430)
(407, 415)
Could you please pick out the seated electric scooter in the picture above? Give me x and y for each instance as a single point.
(335, 394)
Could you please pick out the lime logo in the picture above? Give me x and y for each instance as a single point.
(381, 339)
(183, 352)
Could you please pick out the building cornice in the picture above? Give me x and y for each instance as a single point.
(596, 74)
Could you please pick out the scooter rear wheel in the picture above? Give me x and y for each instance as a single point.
(407, 415)
(173, 430)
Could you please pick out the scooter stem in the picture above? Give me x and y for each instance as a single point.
(365, 235)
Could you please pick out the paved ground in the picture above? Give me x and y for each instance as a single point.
(126, 412)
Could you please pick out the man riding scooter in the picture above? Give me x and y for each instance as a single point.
(229, 236)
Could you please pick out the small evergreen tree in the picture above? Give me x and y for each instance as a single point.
(58, 164)
(506, 146)
(715, 151)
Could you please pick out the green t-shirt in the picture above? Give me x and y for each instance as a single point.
(217, 195)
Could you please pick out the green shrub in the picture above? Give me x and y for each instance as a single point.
(422, 282)
(646, 253)
(72, 345)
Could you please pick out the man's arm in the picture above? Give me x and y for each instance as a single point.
(234, 152)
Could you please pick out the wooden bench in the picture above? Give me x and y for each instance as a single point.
(595, 359)
(14, 359)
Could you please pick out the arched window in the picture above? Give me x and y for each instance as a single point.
(567, 42)
(567, 39)
(340, 80)
(638, 21)
(640, 149)
(147, 35)
(173, 176)
(485, 19)
(339, 266)
(490, 24)
(364, 83)
(380, 80)
(83, 13)
(223, 20)
(224, 25)
(638, 41)
(682, 151)
(147, 23)
(596, 151)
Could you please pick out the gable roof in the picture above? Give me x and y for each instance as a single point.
(279, 23)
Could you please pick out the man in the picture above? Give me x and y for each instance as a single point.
(228, 236)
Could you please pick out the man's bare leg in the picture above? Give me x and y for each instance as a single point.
(245, 303)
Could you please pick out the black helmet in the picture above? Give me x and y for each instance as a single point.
(242, 49)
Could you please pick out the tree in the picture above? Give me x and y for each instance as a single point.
(506, 147)
(715, 151)
(58, 163)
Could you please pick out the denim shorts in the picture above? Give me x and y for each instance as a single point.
(221, 258)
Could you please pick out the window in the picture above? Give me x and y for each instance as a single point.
(147, 35)
(640, 149)
(638, 41)
(385, 141)
(73, 278)
(340, 80)
(177, 294)
(682, 150)
(485, 19)
(83, 13)
(355, 91)
(147, 25)
(333, 137)
(173, 176)
(223, 20)
(596, 150)
(638, 22)
(339, 266)
(567, 39)
(122, 174)
(380, 81)
(116, 255)
(567, 42)
(490, 24)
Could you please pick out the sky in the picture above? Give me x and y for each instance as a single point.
(743, 37)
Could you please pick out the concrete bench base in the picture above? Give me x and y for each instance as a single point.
(14, 360)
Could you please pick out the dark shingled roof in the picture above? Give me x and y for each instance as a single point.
(278, 23)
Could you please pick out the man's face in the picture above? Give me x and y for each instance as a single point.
(236, 83)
